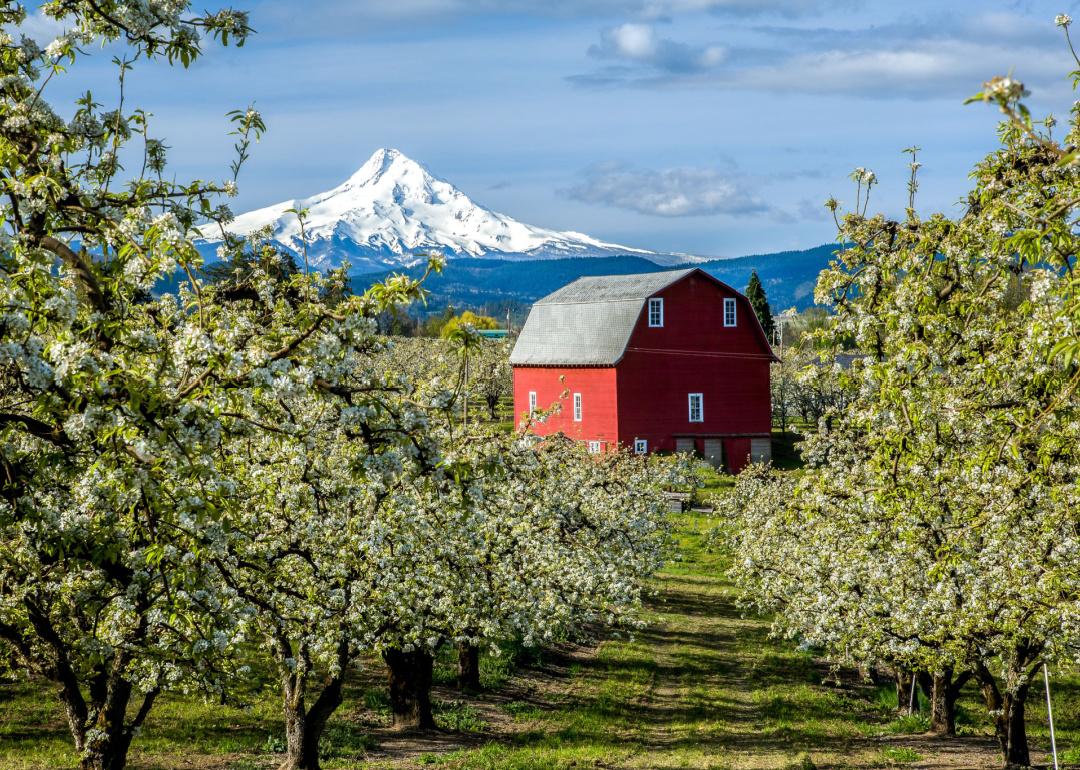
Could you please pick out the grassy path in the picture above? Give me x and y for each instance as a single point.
(700, 687)
(704, 687)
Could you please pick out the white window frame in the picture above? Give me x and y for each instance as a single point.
(641, 446)
(730, 306)
(577, 407)
(532, 401)
(595, 447)
(656, 321)
(700, 407)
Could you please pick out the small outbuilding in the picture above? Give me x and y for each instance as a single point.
(670, 361)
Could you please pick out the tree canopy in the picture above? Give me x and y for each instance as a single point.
(192, 478)
(935, 527)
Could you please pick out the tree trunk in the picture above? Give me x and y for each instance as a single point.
(468, 667)
(943, 705)
(945, 691)
(105, 745)
(107, 749)
(304, 727)
(1008, 711)
(304, 730)
(107, 753)
(410, 688)
(1015, 746)
(296, 750)
(904, 681)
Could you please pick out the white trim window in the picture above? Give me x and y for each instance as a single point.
(577, 407)
(641, 446)
(595, 447)
(696, 407)
(729, 311)
(656, 312)
(532, 401)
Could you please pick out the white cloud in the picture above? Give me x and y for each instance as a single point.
(673, 192)
(942, 68)
(946, 57)
(633, 41)
(44, 29)
(638, 44)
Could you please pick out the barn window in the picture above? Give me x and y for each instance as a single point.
(729, 311)
(532, 401)
(577, 407)
(594, 447)
(641, 446)
(697, 411)
(656, 312)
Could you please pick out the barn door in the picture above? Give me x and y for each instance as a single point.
(714, 452)
(684, 445)
(760, 450)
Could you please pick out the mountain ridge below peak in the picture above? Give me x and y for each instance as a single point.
(392, 210)
(494, 286)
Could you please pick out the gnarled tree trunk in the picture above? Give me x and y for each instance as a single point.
(1008, 710)
(468, 667)
(410, 688)
(945, 691)
(904, 681)
(304, 727)
(105, 743)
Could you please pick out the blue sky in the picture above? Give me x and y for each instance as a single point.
(714, 127)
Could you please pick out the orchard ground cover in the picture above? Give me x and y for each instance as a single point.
(702, 687)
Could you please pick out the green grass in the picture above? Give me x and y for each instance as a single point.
(901, 755)
(702, 686)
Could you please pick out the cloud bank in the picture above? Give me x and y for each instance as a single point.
(673, 192)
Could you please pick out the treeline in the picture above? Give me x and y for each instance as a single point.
(418, 320)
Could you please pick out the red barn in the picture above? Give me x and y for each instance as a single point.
(667, 361)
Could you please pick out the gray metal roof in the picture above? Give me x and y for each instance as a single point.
(588, 322)
(608, 288)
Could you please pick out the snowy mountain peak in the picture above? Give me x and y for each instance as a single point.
(392, 209)
(386, 161)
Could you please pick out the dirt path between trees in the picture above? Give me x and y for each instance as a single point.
(701, 687)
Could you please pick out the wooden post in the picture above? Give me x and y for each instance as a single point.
(1050, 714)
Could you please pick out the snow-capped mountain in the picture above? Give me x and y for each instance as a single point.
(392, 210)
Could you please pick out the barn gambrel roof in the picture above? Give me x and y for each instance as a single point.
(589, 322)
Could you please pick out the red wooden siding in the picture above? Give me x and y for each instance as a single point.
(694, 321)
(599, 412)
(736, 453)
(695, 353)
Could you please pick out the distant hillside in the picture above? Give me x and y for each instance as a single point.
(788, 277)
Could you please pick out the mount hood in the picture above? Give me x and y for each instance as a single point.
(392, 211)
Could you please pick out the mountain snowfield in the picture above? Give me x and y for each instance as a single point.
(392, 211)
